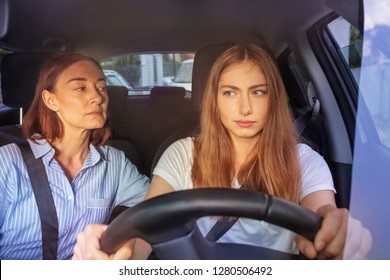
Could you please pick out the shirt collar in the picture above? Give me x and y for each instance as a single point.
(42, 149)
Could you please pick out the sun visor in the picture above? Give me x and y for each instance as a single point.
(4, 12)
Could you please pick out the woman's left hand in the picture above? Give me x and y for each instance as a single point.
(340, 236)
(88, 245)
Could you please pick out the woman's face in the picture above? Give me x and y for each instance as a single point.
(243, 100)
(80, 97)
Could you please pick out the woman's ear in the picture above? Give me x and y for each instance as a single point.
(50, 100)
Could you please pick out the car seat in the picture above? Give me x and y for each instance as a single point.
(19, 76)
(203, 61)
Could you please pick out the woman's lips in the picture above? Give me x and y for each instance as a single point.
(97, 112)
(245, 124)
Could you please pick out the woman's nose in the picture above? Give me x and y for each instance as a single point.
(97, 96)
(245, 105)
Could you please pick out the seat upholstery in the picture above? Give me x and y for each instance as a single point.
(19, 76)
(146, 121)
(203, 61)
(117, 96)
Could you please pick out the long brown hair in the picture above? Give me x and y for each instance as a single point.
(273, 165)
(43, 121)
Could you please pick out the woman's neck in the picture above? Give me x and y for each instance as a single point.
(71, 152)
(242, 149)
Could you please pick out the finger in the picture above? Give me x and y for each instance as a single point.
(76, 253)
(88, 243)
(306, 247)
(124, 252)
(330, 239)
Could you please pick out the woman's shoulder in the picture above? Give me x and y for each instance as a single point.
(309, 158)
(179, 150)
(9, 152)
(182, 147)
(109, 152)
(306, 150)
(184, 143)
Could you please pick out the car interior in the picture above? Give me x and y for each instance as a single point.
(143, 126)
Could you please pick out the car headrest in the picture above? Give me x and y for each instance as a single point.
(203, 61)
(165, 92)
(19, 76)
(117, 92)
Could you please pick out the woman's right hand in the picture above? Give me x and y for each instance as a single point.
(88, 246)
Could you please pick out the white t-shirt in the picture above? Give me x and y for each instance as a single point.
(175, 167)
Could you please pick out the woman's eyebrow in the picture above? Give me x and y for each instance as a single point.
(251, 87)
(76, 79)
(258, 86)
(229, 87)
(84, 79)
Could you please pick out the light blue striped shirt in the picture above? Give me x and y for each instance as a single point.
(107, 179)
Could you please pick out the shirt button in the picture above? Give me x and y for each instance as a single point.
(70, 197)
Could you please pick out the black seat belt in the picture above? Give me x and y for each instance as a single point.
(45, 202)
(309, 116)
(220, 228)
(43, 197)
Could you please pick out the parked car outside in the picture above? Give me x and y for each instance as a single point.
(183, 77)
(115, 79)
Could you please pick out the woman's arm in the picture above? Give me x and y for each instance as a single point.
(159, 186)
(340, 236)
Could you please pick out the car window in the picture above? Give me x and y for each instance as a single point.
(376, 71)
(140, 72)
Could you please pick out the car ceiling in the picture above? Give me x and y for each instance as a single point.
(115, 26)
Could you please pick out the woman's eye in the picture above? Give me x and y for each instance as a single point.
(258, 92)
(80, 88)
(229, 93)
(102, 89)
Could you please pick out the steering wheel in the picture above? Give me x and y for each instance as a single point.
(168, 223)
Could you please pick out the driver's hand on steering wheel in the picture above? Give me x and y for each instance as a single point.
(340, 237)
(88, 245)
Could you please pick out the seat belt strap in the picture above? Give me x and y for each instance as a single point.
(44, 199)
(220, 228)
(309, 116)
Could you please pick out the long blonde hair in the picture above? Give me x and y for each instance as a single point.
(272, 166)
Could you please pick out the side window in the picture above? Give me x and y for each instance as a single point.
(376, 66)
(140, 72)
